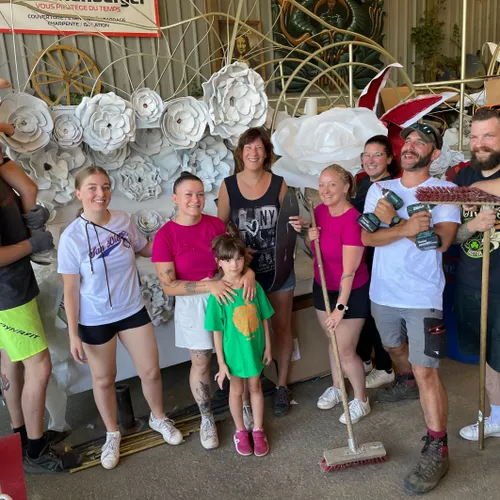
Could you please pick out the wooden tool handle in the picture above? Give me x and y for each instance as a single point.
(331, 331)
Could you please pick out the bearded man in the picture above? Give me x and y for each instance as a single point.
(406, 293)
(483, 172)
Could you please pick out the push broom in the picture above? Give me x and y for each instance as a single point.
(470, 196)
(353, 454)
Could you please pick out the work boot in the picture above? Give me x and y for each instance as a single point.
(398, 390)
(433, 465)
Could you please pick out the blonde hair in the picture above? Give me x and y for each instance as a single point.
(345, 176)
(84, 174)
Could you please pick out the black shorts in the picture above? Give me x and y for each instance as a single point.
(358, 305)
(101, 334)
(467, 308)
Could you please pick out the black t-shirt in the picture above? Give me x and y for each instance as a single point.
(256, 221)
(470, 262)
(17, 281)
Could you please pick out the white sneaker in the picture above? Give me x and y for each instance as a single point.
(208, 433)
(248, 417)
(471, 432)
(330, 398)
(357, 410)
(376, 378)
(368, 366)
(167, 429)
(110, 452)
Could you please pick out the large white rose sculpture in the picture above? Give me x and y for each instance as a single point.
(140, 178)
(31, 119)
(158, 305)
(148, 105)
(108, 122)
(51, 170)
(310, 143)
(68, 131)
(236, 101)
(184, 122)
(211, 161)
(148, 141)
(110, 161)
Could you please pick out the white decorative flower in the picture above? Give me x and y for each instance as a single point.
(31, 119)
(148, 221)
(310, 143)
(158, 305)
(147, 104)
(167, 160)
(110, 161)
(140, 178)
(236, 101)
(148, 141)
(211, 161)
(108, 121)
(184, 122)
(51, 171)
(68, 131)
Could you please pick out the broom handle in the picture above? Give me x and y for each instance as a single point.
(352, 441)
(483, 334)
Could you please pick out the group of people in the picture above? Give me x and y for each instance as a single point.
(385, 293)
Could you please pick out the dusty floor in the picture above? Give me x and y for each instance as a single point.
(291, 470)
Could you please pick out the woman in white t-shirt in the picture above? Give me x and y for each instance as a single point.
(103, 302)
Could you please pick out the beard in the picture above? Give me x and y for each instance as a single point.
(492, 162)
(422, 162)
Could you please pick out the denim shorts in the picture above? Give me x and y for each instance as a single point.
(289, 284)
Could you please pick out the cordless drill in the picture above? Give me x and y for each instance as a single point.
(369, 221)
(426, 240)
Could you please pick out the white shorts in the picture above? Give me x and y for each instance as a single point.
(189, 317)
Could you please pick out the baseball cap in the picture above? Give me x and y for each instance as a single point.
(427, 132)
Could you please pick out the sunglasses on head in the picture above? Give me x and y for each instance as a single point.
(494, 107)
(426, 129)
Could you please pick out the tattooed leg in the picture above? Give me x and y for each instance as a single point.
(199, 379)
(11, 385)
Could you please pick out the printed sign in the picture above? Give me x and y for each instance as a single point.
(110, 17)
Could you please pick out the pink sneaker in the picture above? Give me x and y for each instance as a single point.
(242, 443)
(260, 445)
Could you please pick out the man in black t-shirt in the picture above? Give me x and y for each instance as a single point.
(485, 169)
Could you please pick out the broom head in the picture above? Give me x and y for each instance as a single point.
(341, 458)
(459, 195)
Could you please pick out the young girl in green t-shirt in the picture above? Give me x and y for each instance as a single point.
(242, 342)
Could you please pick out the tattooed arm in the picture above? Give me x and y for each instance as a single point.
(221, 290)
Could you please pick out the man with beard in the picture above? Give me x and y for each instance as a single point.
(406, 295)
(485, 168)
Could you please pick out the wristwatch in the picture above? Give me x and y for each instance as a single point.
(341, 307)
(395, 221)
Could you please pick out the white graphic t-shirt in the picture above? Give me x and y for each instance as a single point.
(84, 247)
(402, 275)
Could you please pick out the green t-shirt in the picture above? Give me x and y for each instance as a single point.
(243, 334)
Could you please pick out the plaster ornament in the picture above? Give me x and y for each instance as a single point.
(236, 101)
(148, 105)
(31, 119)
(148, 141)
(184, 122)
(110, 161)
(108, 122)
(140, 178)
(211, 161)
(158, 305)
(148, 221)
(68, 131)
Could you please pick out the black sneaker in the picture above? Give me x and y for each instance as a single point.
(51, 461)
(430, 469)
(398, 390)
(282, 398)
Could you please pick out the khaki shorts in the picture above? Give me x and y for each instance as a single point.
(21, 332)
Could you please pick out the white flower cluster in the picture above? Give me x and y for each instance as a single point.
(158, 305)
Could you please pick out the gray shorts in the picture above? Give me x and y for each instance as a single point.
(424, 329)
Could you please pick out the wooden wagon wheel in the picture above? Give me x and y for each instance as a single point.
(61, 71)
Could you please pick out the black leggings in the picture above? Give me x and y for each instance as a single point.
(369, 340)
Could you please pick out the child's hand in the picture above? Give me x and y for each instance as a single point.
(221, 375)
(268, 357)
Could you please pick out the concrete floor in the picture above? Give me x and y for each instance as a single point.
(291, 470)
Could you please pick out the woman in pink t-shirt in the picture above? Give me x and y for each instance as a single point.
(347, 281)
(186, 266)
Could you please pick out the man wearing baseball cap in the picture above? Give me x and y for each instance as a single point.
(406, 295)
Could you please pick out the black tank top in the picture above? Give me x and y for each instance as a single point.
(256, 221)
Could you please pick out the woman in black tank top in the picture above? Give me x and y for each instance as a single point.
(256, 219)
